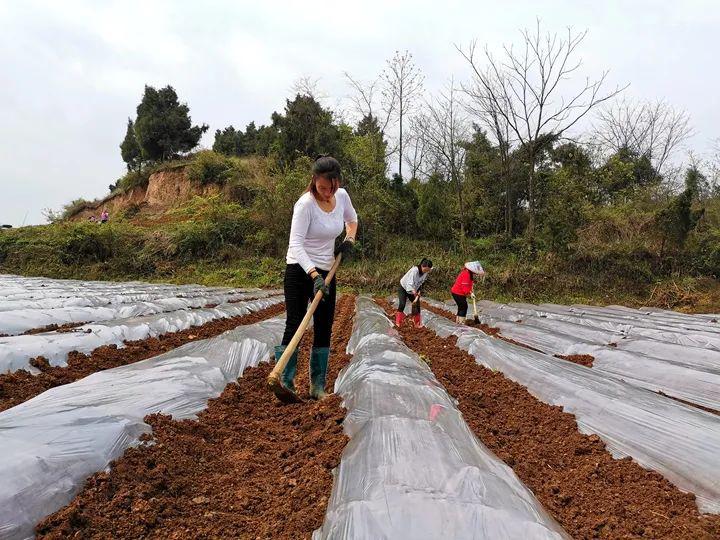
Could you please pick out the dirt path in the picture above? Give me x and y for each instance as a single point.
(21, 385)
(591, 494)
(248, 468)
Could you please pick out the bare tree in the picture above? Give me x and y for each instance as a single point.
(417, 153)
(309, 86)
(403, 85)
(371, 100)
(487, 113)
(445, 129)
(368, 99)
(651, 129)
(530, 91)
(713, 169)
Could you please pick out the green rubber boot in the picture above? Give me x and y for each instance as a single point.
(318, 371)
(288, 375)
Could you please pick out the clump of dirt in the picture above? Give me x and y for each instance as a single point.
(67, 327)
(582, 359)
(248, 467)
(591, 494)
(21, 385)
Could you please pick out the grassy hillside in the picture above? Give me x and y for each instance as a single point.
(174, 248)
(238, 236)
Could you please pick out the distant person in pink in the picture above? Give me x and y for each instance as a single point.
(104, 216)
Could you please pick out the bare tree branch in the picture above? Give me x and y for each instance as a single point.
(403, 84)
(652, 129)
(445, 128)
(309, 86)
(370, 100)
(528, 90)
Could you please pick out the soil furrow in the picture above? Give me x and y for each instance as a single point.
(591, 494)
(19, 386)
(248, 468)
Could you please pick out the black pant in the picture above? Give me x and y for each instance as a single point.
(298, 294)
(403, 296)
(461, 302)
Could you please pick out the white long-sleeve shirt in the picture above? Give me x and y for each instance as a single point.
(313, 230)
(413, 279)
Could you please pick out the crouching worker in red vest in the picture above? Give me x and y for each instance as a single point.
(464, 287)
(410, 287)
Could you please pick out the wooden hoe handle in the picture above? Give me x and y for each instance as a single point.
(290, 349)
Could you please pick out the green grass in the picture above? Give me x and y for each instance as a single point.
(212, 244)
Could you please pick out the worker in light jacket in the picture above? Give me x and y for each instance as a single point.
(463, 288)
(319, 217)
(410, 286)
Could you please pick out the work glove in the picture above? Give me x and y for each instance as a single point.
(319, 285)
(472, 295)
(346, 248)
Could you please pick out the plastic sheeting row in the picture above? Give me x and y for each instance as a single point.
(90, 296)
(16, 288)
(16, 351)
(634, 327)
(21, 320)
(680, 442)
(54, 441)
(693, 357)
(412, 468)
(103, 300)
(673, 377)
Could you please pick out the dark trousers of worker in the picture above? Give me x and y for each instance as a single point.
(462, 304)
(403, 297)
(298, 294)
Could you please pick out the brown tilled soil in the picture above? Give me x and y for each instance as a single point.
(489, 330)
(590, 494)
(67, 327)
(20, 385)
(248, 468)
(582, 359)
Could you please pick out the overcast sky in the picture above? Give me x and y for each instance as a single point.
(72, 72)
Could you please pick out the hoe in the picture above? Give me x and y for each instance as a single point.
(282, 392)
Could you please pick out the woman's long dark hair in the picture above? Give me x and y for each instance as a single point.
(326, 167)
(424, 262)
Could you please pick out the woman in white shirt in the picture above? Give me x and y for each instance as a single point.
(410, 286)
(318, 219)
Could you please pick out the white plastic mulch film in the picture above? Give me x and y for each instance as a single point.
(83, 302)
(16, 351)
(680, 442)
(688, 373)
(412, 468)
(685, 372)
(703, 335)
(53, 442)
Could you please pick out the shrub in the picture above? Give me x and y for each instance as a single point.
(209, 167)
(132, 180)
(73, 207)
(87, 243)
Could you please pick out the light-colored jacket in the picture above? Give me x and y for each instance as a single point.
(413, 279)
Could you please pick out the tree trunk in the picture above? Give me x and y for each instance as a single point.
(401, 135)
(531, 198)
(461, 204)
(508, 210)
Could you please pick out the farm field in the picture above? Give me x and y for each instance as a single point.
(133, 410)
